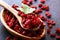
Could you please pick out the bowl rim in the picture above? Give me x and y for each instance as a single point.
(11, 30)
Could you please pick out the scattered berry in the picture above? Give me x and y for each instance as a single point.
(40, 5)
(48, 14)
(48, 31)
(52, 35)
(50, 26)
(42, 1)
(58, 30)
(33, 6)
(58, 37)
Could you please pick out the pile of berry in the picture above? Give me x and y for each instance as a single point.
(13, 22)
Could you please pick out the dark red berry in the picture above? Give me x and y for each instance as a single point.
(50, 26)
(40, 5)
(53, 23)
(14, 6)
(58, 37)
(38, 11)
(43, 7)
(48, 14)
(25, 0)
(48, 31)
(53, 35)
(42, 1)
(58, 30)
(31, 1)
(23, 32)
(35, 0)
(33, 6)
(10, 24)
(49, 21)
(15, 38)
(12, 20)
(8, 38)
(46, 8)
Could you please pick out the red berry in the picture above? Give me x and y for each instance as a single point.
(53, 23)
(14, 6)
(33, 6)
(53, 35)
(27, 27)
(48, 31)
(23, 32)
(42, 1)
(10, 24)
(48, 14)
(31, 1)
(38, 11)
(40, 5)
(58, 30)
(42, 17)
(16, 27)
(49, 21)
(15, 38)
(43, 7)
(50, 26)
(23, 20)
(25, 0)
(35, 0)
(8, 38)
(7, 18)
(58, 37)
(46, 8)
(12, 20)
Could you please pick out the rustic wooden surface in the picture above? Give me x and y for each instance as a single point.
(54, 10)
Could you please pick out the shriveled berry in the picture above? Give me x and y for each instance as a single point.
(40, 5)
(27, 27)
(48, 14)
(58, 37)
(46, 8)
(12, 20)
(38, 11)
(15, 38)
(50, 26)
(33, 6)
(25, 0)
(23, 32)
(27, 22)
(42, 25)
(7, 18)
(58, 30)
(49, 21)
(53, 35)
(8, 38)
(48, 31)
(16, 27)
(53, 23)
(42, 1)
(43, 7)
(10, 24)
(42, 17)
(35, 0)
(31, 1)
(14, 6)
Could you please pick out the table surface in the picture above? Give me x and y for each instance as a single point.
(54, 10)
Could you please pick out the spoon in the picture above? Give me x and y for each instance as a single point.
(14, 12)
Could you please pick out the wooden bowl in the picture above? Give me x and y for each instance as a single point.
(18, 34)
